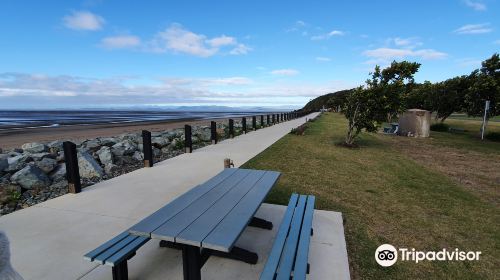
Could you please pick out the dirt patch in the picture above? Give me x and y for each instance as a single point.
(476, 171)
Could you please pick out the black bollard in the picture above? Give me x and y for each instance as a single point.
(268, 122)
(213, 132)
(254, 123)
(188, 142)
(274, 118)
(72, 171)
(231, 128)
(244, 124)
(147, 148)
(261, 121)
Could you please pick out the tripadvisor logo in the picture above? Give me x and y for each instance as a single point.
(387, 255)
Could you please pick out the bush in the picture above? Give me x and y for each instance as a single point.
(440, 127)
(493, 136)
(299, 130)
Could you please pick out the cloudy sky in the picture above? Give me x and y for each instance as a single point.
(67, 54)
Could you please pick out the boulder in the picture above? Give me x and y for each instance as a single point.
(124, 148)
(60, 156)
(34, 147)
(105, 155)
(31, 177)
(92, 145)
(204, 134)
(138, 156)
(55, 146)
(4, 156)
(16, 163)
(111, 168)
(40, 156)
(159, 142)
(156, 152)
(88, 166)
(108, 141)
(4, 163)
(59, 173)
(46, 164)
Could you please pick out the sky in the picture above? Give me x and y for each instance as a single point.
(99, 53)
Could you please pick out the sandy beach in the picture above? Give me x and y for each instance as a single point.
(15, 138)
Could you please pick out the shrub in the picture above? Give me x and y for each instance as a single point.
(493, 136)
(299, 130)
(440, 127)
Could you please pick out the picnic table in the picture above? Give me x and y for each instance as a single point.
(209, 218)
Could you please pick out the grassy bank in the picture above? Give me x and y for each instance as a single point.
(387, 197)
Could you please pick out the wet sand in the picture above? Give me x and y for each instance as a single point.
(14, 139)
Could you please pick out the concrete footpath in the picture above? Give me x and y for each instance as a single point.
(48, 240)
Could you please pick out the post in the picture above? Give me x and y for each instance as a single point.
(485, 118)
(268, 120)
(228, 163)
(72, 171)
(231, 128)
(213, 132)
(254, 123)
(188, 142)
(274, 116)
(261, 121)
(244, 124)
(147, 148)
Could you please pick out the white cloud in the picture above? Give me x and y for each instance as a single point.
(411, 42)
(285, 72)
(384, 55)
(328, 35)
(474, 29)
(323, 59)
(121, 42)
(177, 39)
(83, 20)
(240, 49)
(476, 5)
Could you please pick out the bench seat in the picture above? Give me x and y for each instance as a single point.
(290, 251)
(116, 252)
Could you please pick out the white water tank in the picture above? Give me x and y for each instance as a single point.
(415, 123)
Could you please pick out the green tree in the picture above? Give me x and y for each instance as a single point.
(485, 85)
(366, 108)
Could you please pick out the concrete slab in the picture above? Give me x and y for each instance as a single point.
(327, 256)
(48, 240)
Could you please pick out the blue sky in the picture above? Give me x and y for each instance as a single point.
(65, 54)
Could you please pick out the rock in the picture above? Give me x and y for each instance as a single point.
(124, 148)
(18, 150)
(92, 145)
(170, 135)
(34, 147)
(204, 134)
(31, 177)
(40, 156)
(159, 142)
(59, 173)
(4, 163)
(16, 163)
(140, 147)
(46, 164)
(4, 156)
(9, 193)
(166, 150)
(156, 152)
(108, 141)
(60, 156)
(105, 155)
(88, 166)
(111, 168)
(138, 156)
(55, 146)
(60, 185)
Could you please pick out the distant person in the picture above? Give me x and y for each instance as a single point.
(7, 272)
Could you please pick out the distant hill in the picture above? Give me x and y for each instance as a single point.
(317, 103)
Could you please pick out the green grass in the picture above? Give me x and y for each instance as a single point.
(385, 198)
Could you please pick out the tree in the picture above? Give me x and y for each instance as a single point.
(485, 85)
(367, 107)
(448, 96)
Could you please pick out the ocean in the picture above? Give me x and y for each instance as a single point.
(12, 120)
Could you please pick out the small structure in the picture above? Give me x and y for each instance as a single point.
(415, 123)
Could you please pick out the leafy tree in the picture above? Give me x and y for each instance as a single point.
(485, 85)
(449, 96)
(366, 108)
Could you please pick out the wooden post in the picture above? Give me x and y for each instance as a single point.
(254, 123)
(147, 148)
(268, 120)
(274, 118)
(261, 121)
(188, 142)
(231, 128)
(244, 124)
(72, 171)
(213, 132)
(228, 163)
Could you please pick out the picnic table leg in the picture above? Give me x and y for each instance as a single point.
(120, 271)
(260, 223)
(191, 262)
(238, 254)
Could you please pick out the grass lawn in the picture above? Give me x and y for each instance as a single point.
(387, 196)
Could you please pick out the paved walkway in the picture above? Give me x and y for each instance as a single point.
(48, 240)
